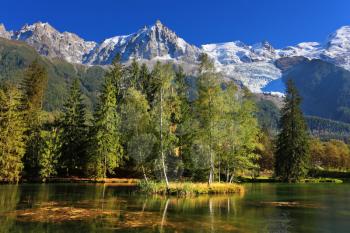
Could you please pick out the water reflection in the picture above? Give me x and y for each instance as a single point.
(101, 208)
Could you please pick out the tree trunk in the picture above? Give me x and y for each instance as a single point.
(227, 174)
(105, 167)
(211, 172)
(161, 140)
(219, 172)
(144, 174)
(164, 215)
(232, 176)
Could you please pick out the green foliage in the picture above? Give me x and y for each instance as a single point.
(50, 153)
(208, 109)
(239, 133)
(292, 154)
(12, 137)
(333, 154)
(147, 121)
(74, 133)
(163, 112)
(17, 56)
(321, 173)
(189, 189)
(145, 81)
(328, 129)
(184, 120)
(266, 151)
(34, 85)
(268, 115)
(136, 128)
(118, 77)
(106, 151)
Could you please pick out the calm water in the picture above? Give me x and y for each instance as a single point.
(96, 208)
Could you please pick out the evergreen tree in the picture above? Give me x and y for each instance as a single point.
(74, 133)
(12, 134)
(33, 86)
(145, 81)
(292, 155)
(106, 151)
(136, 129)
(134, 75)
(118, 78)
(184, 119)
(49, 154)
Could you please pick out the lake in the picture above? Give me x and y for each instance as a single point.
(39, 208)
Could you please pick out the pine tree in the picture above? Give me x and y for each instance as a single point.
(184, 119)
(106, 150)
(134, 75)
(12, 134)
(74, 132)
(137, 129)
(119, 79)
(145, 81)
(33, 86)
(49, 154)
(292, 155)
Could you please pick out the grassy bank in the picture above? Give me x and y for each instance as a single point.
(274, 180)
(120, 181)
(189, 189)
(321, 180)
(318, 173)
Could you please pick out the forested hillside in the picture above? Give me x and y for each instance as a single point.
(16, 56)
(324, 87)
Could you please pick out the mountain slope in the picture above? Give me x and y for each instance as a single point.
(16, 56)
(251, 65)
(324, 87)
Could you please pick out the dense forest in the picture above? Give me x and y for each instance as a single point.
(144, 120)
(152, 124)
(17, 56)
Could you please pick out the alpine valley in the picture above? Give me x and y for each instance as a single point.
(321, 70)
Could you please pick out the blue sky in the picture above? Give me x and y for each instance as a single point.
(282, 22)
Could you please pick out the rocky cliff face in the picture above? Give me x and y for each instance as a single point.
(50, 42)
(155, 42)
(4, 33)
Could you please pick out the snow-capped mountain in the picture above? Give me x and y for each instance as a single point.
(337, 48)
(257, 61)
(237, 52)
(252, 65)
(156, 41)
(50, 42)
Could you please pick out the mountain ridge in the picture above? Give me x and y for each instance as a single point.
(252, 65)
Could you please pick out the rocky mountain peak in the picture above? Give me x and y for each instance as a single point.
(4, 33)
(158, 23)
(50, 42)
(154, 42)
